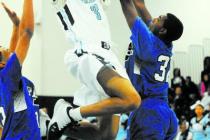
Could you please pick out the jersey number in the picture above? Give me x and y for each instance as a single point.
(165, 60)
(2, 116)
(95, 10)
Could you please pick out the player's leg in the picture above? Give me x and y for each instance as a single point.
(106, 129)
(26, 30)
(84, 131)
(100, 76)
(150, 121)
(123, 96)
(109, 126)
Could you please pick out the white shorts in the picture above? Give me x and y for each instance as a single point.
(86, 67)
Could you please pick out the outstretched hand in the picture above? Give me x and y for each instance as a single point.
(13, 16)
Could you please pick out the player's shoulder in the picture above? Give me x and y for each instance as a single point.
(12, 68)
(13, 60)
(13, 56)
(27, 81)
(139, 24)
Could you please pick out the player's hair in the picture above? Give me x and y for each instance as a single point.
(174, 27)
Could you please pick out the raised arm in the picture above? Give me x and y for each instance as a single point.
(129, 11)
(143, 11)
(26, 30)
(15, 33)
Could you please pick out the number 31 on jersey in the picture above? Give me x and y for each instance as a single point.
(163, 75)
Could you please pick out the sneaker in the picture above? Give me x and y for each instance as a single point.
(60, 120)
(58, 4)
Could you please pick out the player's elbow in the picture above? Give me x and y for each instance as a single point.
(139, 4)
(136, 101)
(29, 32)
(133, 102)
(26, 34)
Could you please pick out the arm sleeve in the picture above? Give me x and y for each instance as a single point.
(141, 38)
(12, 73)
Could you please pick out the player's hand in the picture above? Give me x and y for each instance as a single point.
(13, 16)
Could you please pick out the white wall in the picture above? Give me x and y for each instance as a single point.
(194, 15)
(44, 63)
(33, 65)
(5, 24)
(206, 44)
(55, 78)
(191, 62)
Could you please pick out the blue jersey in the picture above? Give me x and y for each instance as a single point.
(18, 120)
(148, 61)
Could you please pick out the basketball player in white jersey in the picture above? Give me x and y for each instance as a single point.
(106, 90)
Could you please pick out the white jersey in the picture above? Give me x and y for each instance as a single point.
(85, 22)
(86, 25)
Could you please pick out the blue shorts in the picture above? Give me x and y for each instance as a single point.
(153, 120)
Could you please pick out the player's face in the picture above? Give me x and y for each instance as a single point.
(157, 24)
(4, 55)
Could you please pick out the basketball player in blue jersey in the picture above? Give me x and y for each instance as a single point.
(17, 113)
(148, 64)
